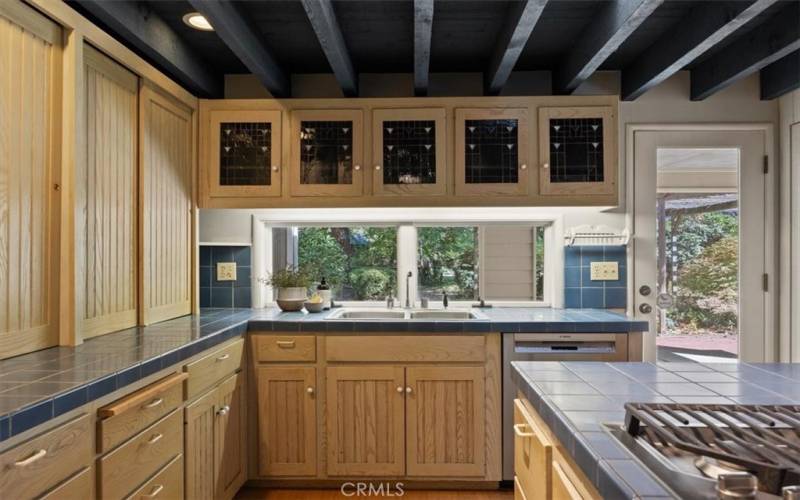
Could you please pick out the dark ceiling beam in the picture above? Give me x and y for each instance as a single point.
(612, 26)
(323, 20)
(702, 28)
(423, 28)
(767, 43)
(781, 77)
(238, 33)
(511, 41)
(152, 37)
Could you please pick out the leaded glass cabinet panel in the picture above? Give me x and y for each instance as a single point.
(577, 150)
(245, 153)
(409, 151)
(491, 151)
(327, 149)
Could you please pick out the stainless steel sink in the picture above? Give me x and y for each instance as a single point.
(365, 314)
(378, 314)
(443, 315)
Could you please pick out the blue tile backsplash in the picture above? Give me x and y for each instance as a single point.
(215, 293)
(581, 291)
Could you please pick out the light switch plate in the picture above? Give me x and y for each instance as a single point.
(226, 271)
(604, 271)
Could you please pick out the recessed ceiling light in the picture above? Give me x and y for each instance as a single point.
(197, 21)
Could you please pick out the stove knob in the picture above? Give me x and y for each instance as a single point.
(645, 308)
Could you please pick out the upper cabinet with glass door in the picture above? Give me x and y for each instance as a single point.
(409, 149)
(245, 153)
(491, 152)
(577, 151)
(327, 153)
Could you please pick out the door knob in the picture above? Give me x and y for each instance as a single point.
(645, 308)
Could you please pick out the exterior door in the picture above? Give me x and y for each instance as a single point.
(445, 415)
(749, 182)
(365, 424)
(287, 421)
(229, 443)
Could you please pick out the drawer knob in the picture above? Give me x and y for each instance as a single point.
(377, 167)
(31, 459)
(285, 344)
(156, 438)
(546, 165)
(157, 488)
(153, 403)
(223, 357)
(523, 167)
(274, 168)
(408, 390)
(357, 168)
(400, 388)
(310, 390)
(224, 410)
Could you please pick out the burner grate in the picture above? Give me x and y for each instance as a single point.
(763, 439)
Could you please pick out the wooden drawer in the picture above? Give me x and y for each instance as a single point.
(268, 348)
(210, 369)
(563, 487)
(79, 486)
(518, 493)
(125, 468)
(38, 465)
(127, 416)
(406, 348)
(167, 484)
(533, 454)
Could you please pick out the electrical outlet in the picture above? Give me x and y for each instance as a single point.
(604, 271)
(226, 271)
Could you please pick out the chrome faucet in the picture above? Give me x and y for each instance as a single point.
(408, 291)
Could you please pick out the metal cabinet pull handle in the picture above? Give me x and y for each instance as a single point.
(155, 439)
(223, 357)
(153, 403)
(156, 490)
(224, 410)
(286, 344)
(519, 432)
(33, 458)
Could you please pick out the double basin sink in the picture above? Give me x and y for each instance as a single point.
(350, 314)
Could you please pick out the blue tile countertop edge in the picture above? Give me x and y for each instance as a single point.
(42, 385)
(575, 399)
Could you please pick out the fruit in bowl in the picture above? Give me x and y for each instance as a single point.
(314, 304)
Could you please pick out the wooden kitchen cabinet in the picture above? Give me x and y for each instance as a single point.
(244, 153)
(327, 152)
(215, 442)
(365, 420)
(445, 416)
(409, 151)
(491, 148)
(287, 420)
(577, 151)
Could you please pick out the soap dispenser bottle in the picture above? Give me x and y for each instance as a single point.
(324, 291)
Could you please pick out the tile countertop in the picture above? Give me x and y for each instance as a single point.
(576, 398)
(42, 385)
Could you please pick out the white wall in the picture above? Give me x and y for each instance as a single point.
(790, 226)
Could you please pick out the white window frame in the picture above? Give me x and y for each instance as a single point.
(263, 223)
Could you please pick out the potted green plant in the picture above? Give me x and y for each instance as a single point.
(291, 287)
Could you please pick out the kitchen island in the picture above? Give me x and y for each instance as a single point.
(579, 403)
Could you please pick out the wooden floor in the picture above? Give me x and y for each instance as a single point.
(264, 494)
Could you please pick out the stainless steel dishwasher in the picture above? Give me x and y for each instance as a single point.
(549, 347)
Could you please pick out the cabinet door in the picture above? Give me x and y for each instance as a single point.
(229, 443)
(167, 159)
(491, 152)
(287, 421)
(327, 153)
(577, 151)
(201, 419)
(365, 424)
(533, 455)
(106, 198)
(445, 413)
(245, 153)
(30, 53)
(409, 151)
